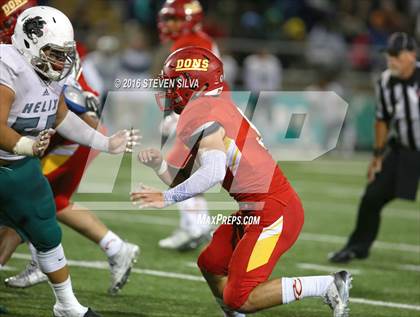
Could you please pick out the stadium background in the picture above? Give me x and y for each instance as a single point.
(330, 45)
(316, 42)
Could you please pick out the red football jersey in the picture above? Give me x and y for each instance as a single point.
(252, 174)
(198, 38)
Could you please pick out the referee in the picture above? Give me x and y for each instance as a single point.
(394, 171)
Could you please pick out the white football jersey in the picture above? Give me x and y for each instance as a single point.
(35, 105)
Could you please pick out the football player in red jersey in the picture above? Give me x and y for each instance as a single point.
(180, 22)
(241, 256)
(64, 166)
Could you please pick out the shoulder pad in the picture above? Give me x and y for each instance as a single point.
(74, 99)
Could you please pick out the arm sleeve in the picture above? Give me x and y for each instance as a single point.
(7, 76)
(75, 129)
(211, 172)
(381, 109)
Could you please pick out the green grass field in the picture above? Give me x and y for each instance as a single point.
(168, 283)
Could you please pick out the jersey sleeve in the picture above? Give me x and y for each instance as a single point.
(8, 77)
(195, 123)
(381, 108)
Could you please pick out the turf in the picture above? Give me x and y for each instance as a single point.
(330, 189)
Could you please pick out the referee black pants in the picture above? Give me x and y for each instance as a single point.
(398, 178)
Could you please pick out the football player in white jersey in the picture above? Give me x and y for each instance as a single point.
(31, 111)
(64, 166)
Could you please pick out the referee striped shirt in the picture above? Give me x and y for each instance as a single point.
(399, 105)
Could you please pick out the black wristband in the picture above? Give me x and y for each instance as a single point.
(378, 152)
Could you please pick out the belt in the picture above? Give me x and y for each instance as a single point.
(4, 163)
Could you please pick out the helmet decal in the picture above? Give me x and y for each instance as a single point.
(198, 64)
(33, 26)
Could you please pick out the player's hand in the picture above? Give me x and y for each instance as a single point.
(375, 167)
(147, 197)
(42, 142)
(151, 158)
(124, 141)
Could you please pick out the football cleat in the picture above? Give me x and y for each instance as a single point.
(234, 314)
(227, 312)
(31, 276)
(181, 240)
(338, 294)
(121, 264)
(91, 313)
(69, 312)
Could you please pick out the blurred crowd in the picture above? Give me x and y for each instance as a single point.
(265, 44)
(321, 34)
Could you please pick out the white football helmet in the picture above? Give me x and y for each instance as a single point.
(45, 37)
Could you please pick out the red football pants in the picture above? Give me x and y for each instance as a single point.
(247, 254)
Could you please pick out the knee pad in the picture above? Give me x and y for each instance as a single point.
(52, 260)
(235, 297)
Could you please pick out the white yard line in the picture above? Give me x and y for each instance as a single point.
(384, 304)
(326, 268)
(306, 266)
(354, 271)
(410, 267)
(313, 237)
(351, 209)
(181, 276)
(330, 269)
(104, 266)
